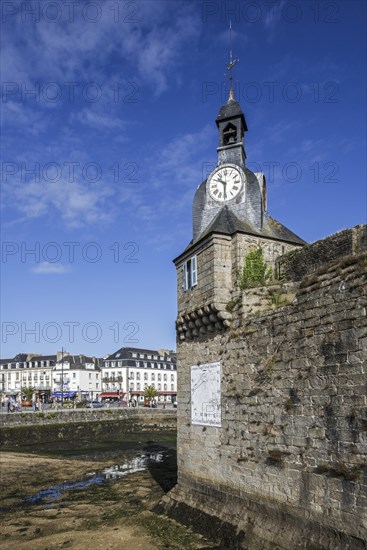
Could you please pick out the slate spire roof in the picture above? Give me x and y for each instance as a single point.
(231, 109)
(227, 223)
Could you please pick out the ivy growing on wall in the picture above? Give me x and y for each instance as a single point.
(255, 272)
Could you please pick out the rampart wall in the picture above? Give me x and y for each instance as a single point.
(305, 261)
(287, 468)
(34, 428)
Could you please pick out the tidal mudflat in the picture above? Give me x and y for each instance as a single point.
(91, 495)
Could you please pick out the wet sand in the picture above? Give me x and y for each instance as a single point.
(118, 514)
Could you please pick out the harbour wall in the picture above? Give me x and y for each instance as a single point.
(50, 426)
(287, 467)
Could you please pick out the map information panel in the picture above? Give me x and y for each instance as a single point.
(205, 395)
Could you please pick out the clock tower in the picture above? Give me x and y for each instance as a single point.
(232, 126)
(230, 218)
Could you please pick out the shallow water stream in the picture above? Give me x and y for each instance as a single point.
(106, 493)
(55, 493)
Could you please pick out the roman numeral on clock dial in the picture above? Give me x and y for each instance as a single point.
(225, 183)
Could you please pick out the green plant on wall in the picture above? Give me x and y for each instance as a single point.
(255, 272)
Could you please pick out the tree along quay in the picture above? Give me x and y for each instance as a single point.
(27, 429)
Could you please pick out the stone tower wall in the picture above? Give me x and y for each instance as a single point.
(214, 275)
(218, 260)
(242, 244)
(287, 468)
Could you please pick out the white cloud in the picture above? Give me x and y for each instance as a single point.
(48, 268)
(80, 50)
(95, 120)
(183, 159)
(76, 204)
(176, 169)
(273, 15)
(18, 115)
(146, 53)
(281, 131)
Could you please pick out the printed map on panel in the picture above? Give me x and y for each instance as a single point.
(205, 395)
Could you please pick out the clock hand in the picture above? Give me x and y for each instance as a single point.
(224, 189)
(222, 182)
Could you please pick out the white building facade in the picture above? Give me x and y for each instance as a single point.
(129, 371)
(123, 375)
(27, 371)
(77, 376)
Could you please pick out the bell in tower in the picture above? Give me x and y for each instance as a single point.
(229, 134)
(231, 124)
(232, 127)
(229, 218)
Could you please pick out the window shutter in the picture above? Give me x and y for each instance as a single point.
(184, 276)
(194, 279)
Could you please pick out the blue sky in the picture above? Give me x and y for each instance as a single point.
(108, 113)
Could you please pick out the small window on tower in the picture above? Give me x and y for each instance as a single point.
(189, 274)
(229, 134)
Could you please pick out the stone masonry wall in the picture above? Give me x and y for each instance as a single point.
(214, 273)
(297, 264)
(203, 308)
(32, 428)
(242, 244)
(287, 468)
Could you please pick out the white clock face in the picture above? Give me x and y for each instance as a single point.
(225, 183)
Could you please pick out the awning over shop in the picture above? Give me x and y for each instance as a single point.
(64, 394)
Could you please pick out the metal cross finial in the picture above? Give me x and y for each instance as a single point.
(232, 63)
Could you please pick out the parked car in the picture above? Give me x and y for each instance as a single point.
(94, 405)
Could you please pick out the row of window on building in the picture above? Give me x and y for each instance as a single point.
(119, 374)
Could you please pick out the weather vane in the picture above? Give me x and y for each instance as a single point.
(232, 63)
